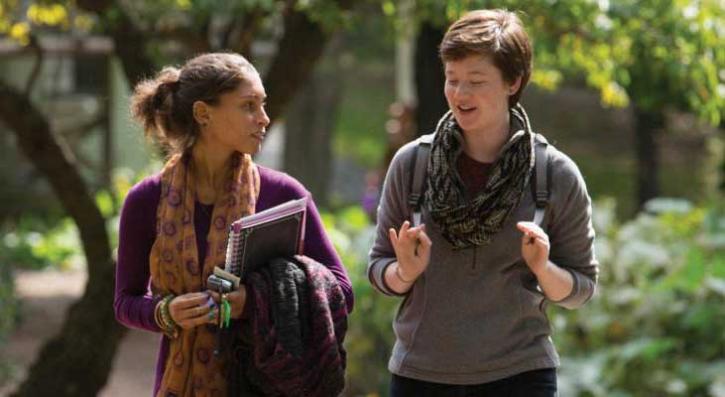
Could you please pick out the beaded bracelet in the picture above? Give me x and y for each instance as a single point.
(163, 317)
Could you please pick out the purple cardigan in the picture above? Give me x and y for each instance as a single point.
(133, 304)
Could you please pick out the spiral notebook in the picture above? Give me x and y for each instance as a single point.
(256, 239)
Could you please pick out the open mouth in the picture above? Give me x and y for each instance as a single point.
(463, 109)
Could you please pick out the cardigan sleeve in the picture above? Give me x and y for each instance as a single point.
(133, 303)
(278, 187)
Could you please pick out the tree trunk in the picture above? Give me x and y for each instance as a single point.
(649, 124)
(301, 45)
(309, 125)
(77, 361)
(429, 79)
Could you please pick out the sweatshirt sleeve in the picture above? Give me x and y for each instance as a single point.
(392, 212)
(571, 233)
(133, 304)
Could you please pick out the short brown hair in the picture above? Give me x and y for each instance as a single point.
(498, 34)
(163, 105)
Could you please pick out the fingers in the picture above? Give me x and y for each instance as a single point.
(528, 227)
(528, 239)
(406, 235)
(193, 309)
(532, 233)
(189, 300)
(393, 237)
(196, 321)
(409, 242)
(425, 241)
(410, 233)
(236, 298)
(404, 228)
(425, 244)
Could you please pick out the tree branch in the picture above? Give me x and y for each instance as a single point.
(246, 28)
(37, 66)
(302, 45)
(129, 40)
(196, 42)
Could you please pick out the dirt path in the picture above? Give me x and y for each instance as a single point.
(46, 296)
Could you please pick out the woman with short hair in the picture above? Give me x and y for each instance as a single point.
(476, 274)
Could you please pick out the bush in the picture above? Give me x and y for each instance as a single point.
(370, 337)
(655, 326)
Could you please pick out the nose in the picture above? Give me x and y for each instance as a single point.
(461, 90)
(263, 119)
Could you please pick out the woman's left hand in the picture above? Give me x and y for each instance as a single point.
(237, 299)
(534, 246)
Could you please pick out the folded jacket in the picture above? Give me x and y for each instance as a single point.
(297, 325)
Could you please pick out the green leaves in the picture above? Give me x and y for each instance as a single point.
(655, 326)
(657, 53)
(19, 20)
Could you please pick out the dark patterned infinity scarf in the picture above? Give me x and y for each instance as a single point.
(467, 223)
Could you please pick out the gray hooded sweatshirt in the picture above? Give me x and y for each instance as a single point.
(477, 315)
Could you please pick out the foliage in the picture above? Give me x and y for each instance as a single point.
(654, 328)
(19, 20)
(32, 244)
(369, 338)
(655, 325)
(654, 53)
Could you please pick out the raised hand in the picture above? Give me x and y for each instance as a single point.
(412, 249)
(534, 246)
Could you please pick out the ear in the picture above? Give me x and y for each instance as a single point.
(514, 87)
(202, 112)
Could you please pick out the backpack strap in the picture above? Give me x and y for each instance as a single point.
(542, 176)
(418, 172)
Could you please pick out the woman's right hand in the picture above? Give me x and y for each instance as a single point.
(412, 249)
(192, 309)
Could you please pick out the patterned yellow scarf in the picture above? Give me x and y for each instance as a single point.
(191, 367)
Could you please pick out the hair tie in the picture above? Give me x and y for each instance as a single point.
(171, 85)
(163, 91)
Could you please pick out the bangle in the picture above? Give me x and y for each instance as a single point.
(397, 274)
(163, 317)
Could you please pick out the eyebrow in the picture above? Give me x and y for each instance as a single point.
(475, 72)
(254, 96)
